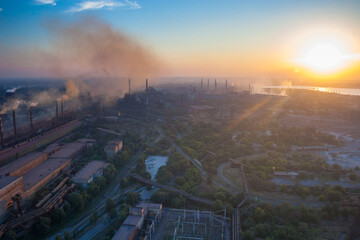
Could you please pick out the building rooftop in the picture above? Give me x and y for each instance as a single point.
(112, 144)
(21, 162)
(68, 150)
(5, 181)
(41, 171)
(90, 169)
(132, 220)
(52, 148)
(86, 140)
(150, 205)
(124, 232)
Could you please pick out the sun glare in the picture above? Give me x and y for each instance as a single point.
(324, 58)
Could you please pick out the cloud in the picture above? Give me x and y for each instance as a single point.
(51, 2)
(108, 4)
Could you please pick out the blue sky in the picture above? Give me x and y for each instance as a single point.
(184, 31)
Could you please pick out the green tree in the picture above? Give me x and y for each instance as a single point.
(10, 235)
(333, 195)
(42, 226)
(163, 175)
(262, 230)
(110, 204)
(259, 215)
(60, 215)
(76, 201)
(94, 217)
(132, 198)
(124, 182)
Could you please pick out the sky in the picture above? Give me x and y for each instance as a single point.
(229, 38)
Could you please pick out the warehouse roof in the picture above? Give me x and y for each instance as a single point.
(124, 232)
(132, 220)
(90, 169)
(41, 171)
(5, 181)
(19, 163)
(68, 150)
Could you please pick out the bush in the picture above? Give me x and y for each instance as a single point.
(333, 195)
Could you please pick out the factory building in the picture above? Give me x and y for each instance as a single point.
(88, 173)
(135, 221)
(23, 164)
(69, 151)
(113, 147)
(41, 174)
(9, 186)
(27, 174)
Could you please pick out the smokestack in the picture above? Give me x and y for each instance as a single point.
(201, 83)
(226, 85)
(62, 109)
(31, 120)
(147, 85)
(1, 131)
(215, 85)
(57, 110)
(14, 122)
(249, 88)
(129, 85)
(208, 83)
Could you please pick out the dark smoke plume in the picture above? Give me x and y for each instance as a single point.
(92, 48)
(88, 48)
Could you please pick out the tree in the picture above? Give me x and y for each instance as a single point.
(110, 204)
(60, 215)
(124, 182)
(42, 226)
(113, 213)
(262, 230)
(94, 217)
(218, 204)
(67, 208)
(163, 175)
(352, 177)
(259, 215)
(132, 198)
(76, 201)
(10, 235)
(333, 195)
(109, 172)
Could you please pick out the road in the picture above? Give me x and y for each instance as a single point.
(220, 168)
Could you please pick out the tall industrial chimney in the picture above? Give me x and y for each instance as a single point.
(215, 85)
(62, 109)
(201, 83)
(57, 110)
(226, 87)
(129, 85)
(31, 120)
(208, 83)
(147, 85)
(14, 122)
(1, 132)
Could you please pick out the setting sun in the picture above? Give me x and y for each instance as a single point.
(324, 58)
